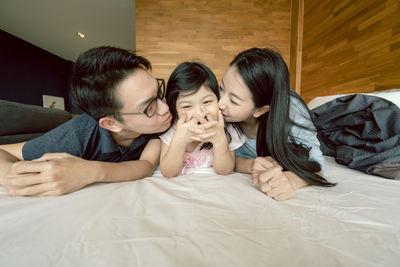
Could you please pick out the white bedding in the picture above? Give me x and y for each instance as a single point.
(206, 220)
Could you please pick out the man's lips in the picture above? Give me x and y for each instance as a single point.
(169, 117)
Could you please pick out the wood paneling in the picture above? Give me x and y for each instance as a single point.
(350, 46)
(296, 44)
(171, 31)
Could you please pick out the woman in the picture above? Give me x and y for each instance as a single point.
(281, 150)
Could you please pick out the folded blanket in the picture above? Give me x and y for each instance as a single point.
(362, 132)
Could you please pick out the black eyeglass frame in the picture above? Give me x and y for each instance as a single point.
(160, 95)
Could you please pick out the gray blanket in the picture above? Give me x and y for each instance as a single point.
(362, 132)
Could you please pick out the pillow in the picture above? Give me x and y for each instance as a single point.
(392, 95)
(17, 118)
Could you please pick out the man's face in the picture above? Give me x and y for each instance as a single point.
(135, 93)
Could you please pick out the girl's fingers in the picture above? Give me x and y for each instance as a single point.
(202, 137)
(202, 128)
(201, 119)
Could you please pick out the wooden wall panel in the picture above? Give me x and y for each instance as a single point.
(171, 31)
(296, 44)
(350, 46)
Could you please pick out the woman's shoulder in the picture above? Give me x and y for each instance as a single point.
(298, 109)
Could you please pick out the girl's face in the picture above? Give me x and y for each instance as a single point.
(203, 102)
(236, 102)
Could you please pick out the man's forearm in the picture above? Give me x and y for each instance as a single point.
(121, 171)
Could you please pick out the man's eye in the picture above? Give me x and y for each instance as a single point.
(151, 107)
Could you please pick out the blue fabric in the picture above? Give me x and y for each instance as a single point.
(83, 137)
(299, 114)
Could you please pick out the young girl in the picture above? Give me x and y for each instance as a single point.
(281, 150)
(197, 137)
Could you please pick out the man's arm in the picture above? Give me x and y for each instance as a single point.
(62, 173)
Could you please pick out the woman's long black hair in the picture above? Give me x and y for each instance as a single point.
(266, 75)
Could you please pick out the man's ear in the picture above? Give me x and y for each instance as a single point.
(110, 124)
(261, 111)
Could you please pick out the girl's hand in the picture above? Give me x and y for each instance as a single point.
(206, 129)
(218, 128)
(182, 133)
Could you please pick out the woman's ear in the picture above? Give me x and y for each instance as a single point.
(261, 111)
(110, 124)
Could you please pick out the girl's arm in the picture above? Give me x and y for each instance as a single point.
(224, 160)
(171, 160)
(213, 131)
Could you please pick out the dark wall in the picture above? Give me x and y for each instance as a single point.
(27, 72)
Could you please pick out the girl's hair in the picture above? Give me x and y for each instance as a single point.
(189, 77)
(266, 75)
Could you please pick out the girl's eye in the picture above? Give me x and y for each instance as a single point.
(185, 107)
(208, 101)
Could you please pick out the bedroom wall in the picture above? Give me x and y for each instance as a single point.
(350, 46)
(27, 72)
(170, 31)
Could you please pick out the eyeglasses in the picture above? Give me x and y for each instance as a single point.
(151, 108)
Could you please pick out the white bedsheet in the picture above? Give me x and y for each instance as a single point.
(206, 220)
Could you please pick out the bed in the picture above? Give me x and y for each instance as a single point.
(207, 220)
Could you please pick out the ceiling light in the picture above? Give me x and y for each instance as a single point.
(80, 34)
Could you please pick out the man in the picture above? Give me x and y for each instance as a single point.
(114, 140)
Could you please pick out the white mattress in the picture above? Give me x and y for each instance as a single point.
(206, 220)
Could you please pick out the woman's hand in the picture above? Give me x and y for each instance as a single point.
(275, 183)
(261, 164)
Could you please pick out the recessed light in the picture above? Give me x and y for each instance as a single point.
(80, 34)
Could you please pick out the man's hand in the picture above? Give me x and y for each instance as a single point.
(51, 175)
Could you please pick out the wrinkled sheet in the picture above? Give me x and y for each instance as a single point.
(206, 220)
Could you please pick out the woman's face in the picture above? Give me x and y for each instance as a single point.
(201, 103)
(236, 102)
